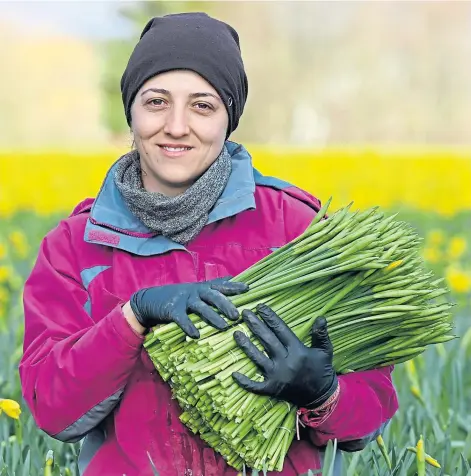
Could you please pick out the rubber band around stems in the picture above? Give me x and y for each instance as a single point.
(271, 404)
(298, 422)
(284, 428)
(234, 357)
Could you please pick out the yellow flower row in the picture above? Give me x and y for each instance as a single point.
(427, 179)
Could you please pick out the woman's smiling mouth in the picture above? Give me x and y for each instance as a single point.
(174, 150)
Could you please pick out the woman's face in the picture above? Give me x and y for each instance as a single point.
(179, 124)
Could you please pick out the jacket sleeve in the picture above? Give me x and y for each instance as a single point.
(73, 370)
(366, 402)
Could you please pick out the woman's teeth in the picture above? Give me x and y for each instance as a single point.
(176, 149)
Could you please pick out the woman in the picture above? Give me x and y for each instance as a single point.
(173, 220)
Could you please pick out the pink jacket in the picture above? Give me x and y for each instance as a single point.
(84, 372)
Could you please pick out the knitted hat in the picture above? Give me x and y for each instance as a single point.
(189, 41)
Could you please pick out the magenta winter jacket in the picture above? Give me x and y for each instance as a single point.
(84, 372)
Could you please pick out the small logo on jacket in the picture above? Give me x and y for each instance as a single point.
(104, 237)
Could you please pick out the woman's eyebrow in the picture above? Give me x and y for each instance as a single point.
(195, 95)
(156, 90)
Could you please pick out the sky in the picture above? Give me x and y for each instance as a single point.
(83, 18)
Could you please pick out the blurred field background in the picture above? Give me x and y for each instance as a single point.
(362, 101)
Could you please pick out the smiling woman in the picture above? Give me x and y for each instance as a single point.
(175, 218)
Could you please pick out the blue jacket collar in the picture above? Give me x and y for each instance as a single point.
(111, 222)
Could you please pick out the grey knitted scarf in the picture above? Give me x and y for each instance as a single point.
(179, 218)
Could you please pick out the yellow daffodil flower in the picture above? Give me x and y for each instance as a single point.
(10, 407)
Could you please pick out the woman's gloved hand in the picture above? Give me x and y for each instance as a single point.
(293, 372)
(173, 302)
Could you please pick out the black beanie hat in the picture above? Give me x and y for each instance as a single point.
(189, 41)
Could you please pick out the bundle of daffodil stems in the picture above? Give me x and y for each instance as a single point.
(360, 270)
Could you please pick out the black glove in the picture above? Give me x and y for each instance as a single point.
(293, 372)
(171, 303)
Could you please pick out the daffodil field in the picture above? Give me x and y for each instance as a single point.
(431, 433)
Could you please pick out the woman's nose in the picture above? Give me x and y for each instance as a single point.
(176, 123)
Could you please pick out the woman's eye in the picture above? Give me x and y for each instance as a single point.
(156, 102)
(204, 106)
